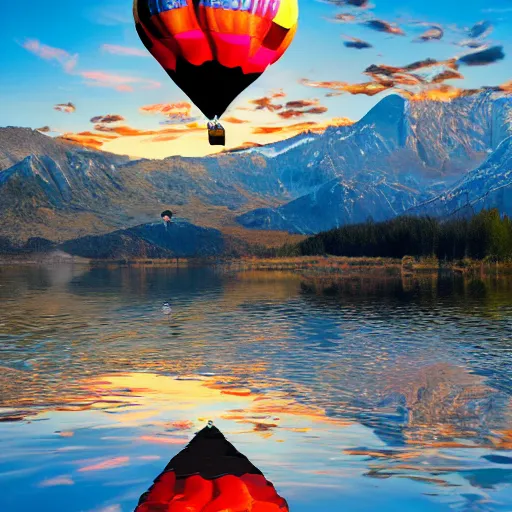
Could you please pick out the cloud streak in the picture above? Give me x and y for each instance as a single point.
(68, 108)
(88, 139)
(235, 120)
(93, 78)
(118, 82)
(294, 113)
(267, 102)
(175, 113)
(124, 50)
(358, 44)
(50, 53)
(384, 26)
(296, 128)
(109, 118)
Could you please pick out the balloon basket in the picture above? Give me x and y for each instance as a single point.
(217, 136)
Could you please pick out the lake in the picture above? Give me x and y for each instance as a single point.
(375, 394)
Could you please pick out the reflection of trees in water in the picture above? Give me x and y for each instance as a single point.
(472, 295)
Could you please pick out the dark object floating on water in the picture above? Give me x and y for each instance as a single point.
(211, 475)
(166, 308)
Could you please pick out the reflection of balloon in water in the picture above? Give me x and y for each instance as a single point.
(214, 49)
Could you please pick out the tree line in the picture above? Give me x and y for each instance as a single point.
(486, 235)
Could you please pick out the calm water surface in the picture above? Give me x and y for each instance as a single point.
(388, 395)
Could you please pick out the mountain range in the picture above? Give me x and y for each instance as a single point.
(400, 155)
(421, 157)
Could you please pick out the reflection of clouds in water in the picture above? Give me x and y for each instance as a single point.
(363, 379)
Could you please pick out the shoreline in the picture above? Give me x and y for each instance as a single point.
(310, 265)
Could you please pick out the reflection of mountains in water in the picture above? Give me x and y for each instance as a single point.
(436, 405)
(357, 356)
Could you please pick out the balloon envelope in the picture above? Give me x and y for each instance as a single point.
(214, 49)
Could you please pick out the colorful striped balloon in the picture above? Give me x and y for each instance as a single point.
(214, 49)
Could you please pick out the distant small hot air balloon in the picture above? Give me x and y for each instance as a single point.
(166, 216)
(215, 49)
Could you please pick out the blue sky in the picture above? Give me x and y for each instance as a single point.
(31, 85)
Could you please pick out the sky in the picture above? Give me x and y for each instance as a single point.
(79, 70)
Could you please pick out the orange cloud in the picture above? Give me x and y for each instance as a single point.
(124, 50)
(333, 85)
(235, 120)
(290, 113)
(308, 126)
(367, 88)
(164, 440)
(169, 134)
(341, 121)
(316, 110)
(164, 138)
(65, 107)
(506, 87)
(176, 113)
(444, 93)
(117, 82)
(65, 59)
(447, 74)
(88, 142)
(88, 139)
(104, 136)
(301, 103)
(265, 130)
(344, 18)
(413, 81)
(124, 130)
(108, 464)
(109, 118)
(59, 480)
(384, 26)
(434, 33)
(182, 107)
(267, 102)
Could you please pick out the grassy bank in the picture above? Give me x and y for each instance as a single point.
(304, 265)
(328, 265)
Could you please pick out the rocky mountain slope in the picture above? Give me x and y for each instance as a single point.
(401, 154)
(487, 186)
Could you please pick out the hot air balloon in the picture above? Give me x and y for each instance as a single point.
(215, 49)
(166, 215)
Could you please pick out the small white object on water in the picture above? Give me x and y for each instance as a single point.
(166, 308)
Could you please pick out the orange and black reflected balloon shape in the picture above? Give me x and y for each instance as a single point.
(211, 475)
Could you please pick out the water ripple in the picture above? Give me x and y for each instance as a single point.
(402, 385)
